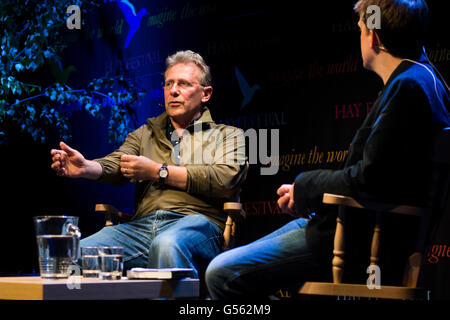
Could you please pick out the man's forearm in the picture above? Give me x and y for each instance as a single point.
(177, 177)
(93, 170)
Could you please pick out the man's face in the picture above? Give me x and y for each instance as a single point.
(366, 49)
(183, 93)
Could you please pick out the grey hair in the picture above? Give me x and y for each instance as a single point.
(189, 56)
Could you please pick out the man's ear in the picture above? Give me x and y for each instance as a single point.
(376, 43)
(207, 92)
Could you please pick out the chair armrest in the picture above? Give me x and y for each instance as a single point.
(111, 214)
(234, 209)
(335, 199)
(101, 207)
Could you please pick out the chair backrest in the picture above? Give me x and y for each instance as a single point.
(235, 214)
(441, 159)
(441, 177)
(237, 196)
(439, 193)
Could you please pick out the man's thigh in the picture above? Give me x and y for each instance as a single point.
(135, 237)
(280, 259)
(193, 234)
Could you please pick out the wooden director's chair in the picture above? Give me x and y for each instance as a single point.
(233, 209)
(408, 289)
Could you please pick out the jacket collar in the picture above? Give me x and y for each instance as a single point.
(403, 66)
(159, 123)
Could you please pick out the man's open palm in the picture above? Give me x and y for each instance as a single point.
(67, 162)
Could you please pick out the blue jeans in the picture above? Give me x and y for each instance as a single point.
(163, 239)
(279, 260)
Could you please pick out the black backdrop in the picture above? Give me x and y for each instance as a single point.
(305, 58)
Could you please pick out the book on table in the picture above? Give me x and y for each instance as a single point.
(162, 273)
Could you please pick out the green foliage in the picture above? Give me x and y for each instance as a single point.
(30, 42)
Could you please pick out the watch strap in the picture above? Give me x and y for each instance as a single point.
(162, 178)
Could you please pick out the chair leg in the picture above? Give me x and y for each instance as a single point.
(413, 265)
(375, 248)
(108, 219)
(339, 247)
(412, 270)
(374, 281)
(228, 234)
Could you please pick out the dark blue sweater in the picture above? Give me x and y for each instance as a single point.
(390, 155)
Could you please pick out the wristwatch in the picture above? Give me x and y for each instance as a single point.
(163, 173)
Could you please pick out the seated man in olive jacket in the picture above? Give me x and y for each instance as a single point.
(185, 165)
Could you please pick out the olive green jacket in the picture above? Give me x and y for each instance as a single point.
(213, 154)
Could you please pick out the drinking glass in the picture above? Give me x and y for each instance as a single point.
(90, 262)
(111, 263)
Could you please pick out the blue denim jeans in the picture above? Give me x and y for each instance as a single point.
(163, 239)
(279, 260)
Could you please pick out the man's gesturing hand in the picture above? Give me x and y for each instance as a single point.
(68, 162)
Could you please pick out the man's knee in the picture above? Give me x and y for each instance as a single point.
(213, 273)
(219, 277)
(167, 243)
(218, 269)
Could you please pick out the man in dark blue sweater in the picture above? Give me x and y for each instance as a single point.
(388, 159)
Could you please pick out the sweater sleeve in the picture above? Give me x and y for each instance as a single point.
(386, 155)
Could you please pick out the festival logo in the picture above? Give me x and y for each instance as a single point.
(133, 19)
(246, 90)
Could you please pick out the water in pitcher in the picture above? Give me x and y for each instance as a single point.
(56, 254)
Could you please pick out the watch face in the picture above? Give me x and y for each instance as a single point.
(163, 173)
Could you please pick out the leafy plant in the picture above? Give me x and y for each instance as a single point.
(31, 43)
